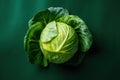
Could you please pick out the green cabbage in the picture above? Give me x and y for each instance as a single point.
(54, 36)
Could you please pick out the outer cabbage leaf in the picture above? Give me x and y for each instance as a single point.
(48, 15)
(31, 45)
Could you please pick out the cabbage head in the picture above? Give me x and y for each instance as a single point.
(55, 36)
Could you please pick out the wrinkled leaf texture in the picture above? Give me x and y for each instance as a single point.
(38, 23)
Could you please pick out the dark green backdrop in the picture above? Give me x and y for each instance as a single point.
(103, 60)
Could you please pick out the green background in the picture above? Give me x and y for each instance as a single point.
(103, 60)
